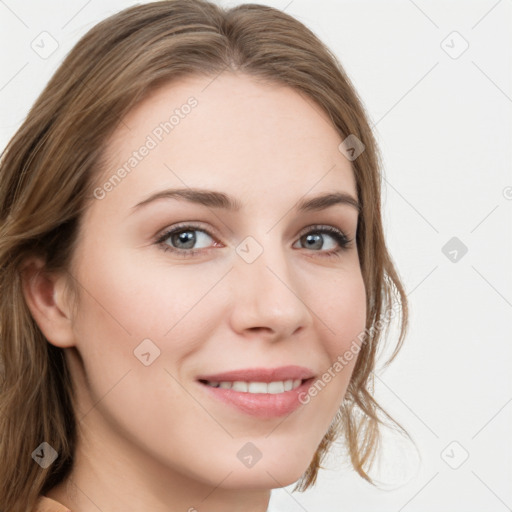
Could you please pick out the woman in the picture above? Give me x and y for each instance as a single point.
(194, 273)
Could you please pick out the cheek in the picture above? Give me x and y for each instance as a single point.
(131, 313)
(134, 299)
(341, 306)
(341, 312)
(125, 312)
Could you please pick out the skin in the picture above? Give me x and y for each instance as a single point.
(150, 438)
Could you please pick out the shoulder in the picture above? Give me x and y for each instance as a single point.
(45, 504)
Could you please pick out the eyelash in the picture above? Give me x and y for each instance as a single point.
(340, 237)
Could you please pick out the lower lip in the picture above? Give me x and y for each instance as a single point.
(262, 405)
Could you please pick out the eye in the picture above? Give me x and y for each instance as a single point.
(182, 240)
(316, 235)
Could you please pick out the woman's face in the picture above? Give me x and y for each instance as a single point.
(252, 288)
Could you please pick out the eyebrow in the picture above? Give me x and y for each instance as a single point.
(215, 199)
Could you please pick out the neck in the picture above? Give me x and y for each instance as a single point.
(111, 474)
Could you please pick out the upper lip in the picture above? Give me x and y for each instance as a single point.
(291, 372)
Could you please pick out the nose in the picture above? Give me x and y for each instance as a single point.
(267, 297)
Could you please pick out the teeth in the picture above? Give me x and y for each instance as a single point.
(258, 387)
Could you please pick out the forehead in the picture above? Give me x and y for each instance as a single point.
(232, 132)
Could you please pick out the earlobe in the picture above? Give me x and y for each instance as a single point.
(42, 292)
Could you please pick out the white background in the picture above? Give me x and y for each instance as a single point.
(444, 128)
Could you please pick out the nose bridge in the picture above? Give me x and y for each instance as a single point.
(267, 295)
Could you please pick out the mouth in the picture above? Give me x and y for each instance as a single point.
(261, 392)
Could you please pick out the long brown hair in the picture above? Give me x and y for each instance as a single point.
(48, 169)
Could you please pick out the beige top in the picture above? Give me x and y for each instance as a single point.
(45, 504)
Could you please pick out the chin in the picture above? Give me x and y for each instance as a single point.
(267, 476)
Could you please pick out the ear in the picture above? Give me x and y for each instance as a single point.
(44, 294)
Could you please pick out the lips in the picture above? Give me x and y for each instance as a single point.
(283, 373)
(260, 404)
